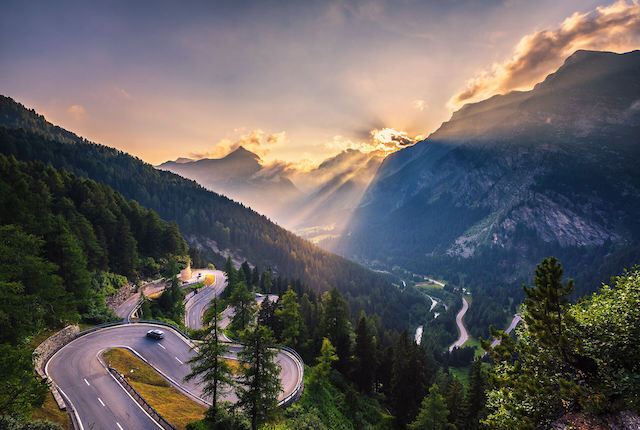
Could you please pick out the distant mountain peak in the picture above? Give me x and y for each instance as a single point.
(242, 152)
(507, 180)
(582, 54)
(182, 160)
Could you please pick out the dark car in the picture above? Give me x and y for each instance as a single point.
(155, 334)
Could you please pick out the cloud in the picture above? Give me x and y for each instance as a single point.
(276, 170)
(76, 111)
(256, 141)
(615, 27)
(389, 140)
(383, 140)
(419, 104)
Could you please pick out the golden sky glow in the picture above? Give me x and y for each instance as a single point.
(162, 81)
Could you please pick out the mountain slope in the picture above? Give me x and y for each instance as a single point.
(331, 193)
(315, 204)
(515, 178)
(212, 222)
(240, 176)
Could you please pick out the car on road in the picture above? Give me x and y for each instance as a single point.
(155, 334)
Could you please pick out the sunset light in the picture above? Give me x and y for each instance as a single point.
(337, 214)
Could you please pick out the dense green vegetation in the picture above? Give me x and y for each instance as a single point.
(365, 376)
(440, 332)
(168, 307)
(510, 180)
(203, 215)
(581, 357)
(209, 363)
(66, 243)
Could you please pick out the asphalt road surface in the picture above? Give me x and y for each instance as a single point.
(130, 305)
(464, 336)
(197, 304)
(101, 402)
(514, 322)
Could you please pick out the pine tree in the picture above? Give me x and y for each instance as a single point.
(454, 397)
(289, 316)
(266, 313)
(337, 328)
(259, 383)
(409, 378)
(246, 270)
(171, 269)
(145, 307)
(31, 294)
(476, 397)
(320, 373)
(230, 273)
(170, 302)
(209, 363)
(546, 307)
(21, 388)
(244, 306)
(266, 284)
(255, 277)
(64, 250)
(173, 241)
(196, 259)
(433, 412)
(365, 355)
(127, 254)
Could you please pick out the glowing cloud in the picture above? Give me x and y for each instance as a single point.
(421, 105)
(256, 141)
(384, 141)
(389, 140)
(615, 27)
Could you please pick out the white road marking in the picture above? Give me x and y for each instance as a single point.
(101, 402)
(178, 360)
(119, 426)
(160, 345)
(87, 382)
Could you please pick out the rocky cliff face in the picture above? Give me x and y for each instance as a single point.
(507, 181)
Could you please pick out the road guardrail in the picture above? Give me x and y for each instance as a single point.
(286, 401)
(141, 401)
(297, 391)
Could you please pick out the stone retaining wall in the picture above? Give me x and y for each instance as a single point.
(47, 348)
(121, 296)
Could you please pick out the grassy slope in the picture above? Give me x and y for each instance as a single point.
(50, 411)
(174, 406)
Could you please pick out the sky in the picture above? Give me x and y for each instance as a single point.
(295, 81)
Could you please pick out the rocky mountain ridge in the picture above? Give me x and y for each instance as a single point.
(514, 178)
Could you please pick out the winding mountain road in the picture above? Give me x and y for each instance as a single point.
(198, 303)
(100, 402)
(464, 336)
(514, 322)
(125, 310)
